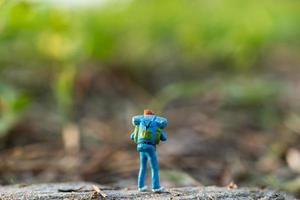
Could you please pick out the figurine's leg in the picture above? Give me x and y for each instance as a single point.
(154, 170)
(143, 168)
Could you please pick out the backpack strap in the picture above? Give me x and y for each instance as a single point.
(148, 125)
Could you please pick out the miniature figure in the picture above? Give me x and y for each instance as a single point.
(147, 134)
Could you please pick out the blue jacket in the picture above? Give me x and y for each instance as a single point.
(152, 122)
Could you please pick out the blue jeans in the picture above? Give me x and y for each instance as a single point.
(144, 157)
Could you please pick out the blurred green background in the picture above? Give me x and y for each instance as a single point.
(225, 73)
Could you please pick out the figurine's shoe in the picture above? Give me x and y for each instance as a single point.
(158, 190)
(143, 189)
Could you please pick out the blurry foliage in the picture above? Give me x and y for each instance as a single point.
(63, 90)
(186, 89)
(180, 33)
(12, 104)
(259, 97)
(169, 42)
(253, 92)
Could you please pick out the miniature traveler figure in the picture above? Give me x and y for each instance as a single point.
(147, 134)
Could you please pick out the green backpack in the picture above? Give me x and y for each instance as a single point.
(147, 134)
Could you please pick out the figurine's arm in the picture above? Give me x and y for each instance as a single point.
(163, 136)
(135, 121)
(162, 122)
(132, 136)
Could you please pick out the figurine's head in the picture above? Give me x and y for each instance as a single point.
(148, 112)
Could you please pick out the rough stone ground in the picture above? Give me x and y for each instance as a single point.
(85, 191)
